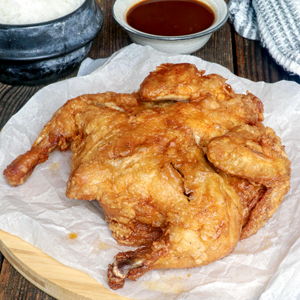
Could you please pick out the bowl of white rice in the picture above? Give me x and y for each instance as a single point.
(42, 41)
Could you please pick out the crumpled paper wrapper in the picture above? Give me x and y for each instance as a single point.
(264, 266)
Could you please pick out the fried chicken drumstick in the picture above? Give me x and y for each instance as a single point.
(183, 168)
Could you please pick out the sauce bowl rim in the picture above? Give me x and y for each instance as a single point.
(214, 27)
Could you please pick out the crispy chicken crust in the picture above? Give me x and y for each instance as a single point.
(183, 168)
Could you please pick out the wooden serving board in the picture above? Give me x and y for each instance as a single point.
(49, 275)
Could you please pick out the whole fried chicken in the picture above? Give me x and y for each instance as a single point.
(183, 168)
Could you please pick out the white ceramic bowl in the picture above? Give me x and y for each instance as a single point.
(184, 44)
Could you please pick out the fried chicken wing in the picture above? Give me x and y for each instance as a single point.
(181, 180)
(256, 154)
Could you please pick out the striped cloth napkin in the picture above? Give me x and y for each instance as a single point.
(275, 23)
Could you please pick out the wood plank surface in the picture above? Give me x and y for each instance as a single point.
(243, 57)
(48, 274)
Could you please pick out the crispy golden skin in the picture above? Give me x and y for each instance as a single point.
(173, 177)
(256, 154)
(182, 82)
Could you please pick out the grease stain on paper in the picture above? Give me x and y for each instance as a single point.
(73, 235)
(268, 242)
(167, 284)
(53, 168)
(103, 246)
(266, 246)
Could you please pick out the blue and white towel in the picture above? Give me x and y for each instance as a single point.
(275, 23)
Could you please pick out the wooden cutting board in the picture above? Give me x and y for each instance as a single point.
(49, 275)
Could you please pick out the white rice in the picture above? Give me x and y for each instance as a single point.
(35, 11)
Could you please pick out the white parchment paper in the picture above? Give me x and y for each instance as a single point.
(265, 266)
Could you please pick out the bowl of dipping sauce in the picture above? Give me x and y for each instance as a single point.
(172, 26)
(42, 41)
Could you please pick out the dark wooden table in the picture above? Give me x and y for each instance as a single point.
(243, 57)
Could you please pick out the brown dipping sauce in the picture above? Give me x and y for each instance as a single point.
(170, 17)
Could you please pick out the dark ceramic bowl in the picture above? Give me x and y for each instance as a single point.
(42, 53)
